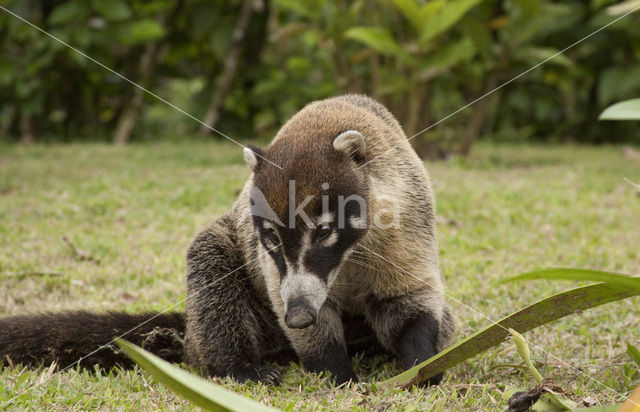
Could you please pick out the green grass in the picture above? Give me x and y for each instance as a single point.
(503, 211)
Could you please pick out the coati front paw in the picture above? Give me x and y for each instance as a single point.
(264, 374)
(343, 377)
(434, 380)
(269, 376)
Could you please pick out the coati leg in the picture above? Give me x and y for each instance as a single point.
(321, 347)
(409, 328)
(227, 323)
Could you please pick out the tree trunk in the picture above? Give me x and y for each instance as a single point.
(129, 115)
(476, 124)
(27, 135)
(6, 126)
(223, 84)
(474, 128)
(413, 110)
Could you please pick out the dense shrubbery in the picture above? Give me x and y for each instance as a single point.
(424, 60)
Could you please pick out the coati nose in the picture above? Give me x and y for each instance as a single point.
(299, 314)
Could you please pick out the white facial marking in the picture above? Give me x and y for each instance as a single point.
(328, 218)
(331, 240)
(304, 248)
(303, 284)
(324, 219)
(358, 222)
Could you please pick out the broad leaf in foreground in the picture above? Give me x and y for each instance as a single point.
(546, 310)
(612, 279)
(200, 391)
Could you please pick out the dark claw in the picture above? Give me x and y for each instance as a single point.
(269, 376)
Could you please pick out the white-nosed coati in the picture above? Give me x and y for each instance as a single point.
(293, 265)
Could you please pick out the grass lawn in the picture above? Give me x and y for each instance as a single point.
(504, 210)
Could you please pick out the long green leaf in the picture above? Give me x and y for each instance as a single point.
(627, 110)
(449, 55)
(613, 279)
(546, 310)
(448, 15)
(411, 10)
(534, 55)
(377, 38)
(200, 391)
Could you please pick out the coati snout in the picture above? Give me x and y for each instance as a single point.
(303, 296)
(300, 314)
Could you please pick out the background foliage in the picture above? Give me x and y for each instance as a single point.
(244, 67)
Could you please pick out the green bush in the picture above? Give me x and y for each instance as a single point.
(424, 60)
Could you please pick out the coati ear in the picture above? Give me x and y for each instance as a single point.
(352, 143)
(252, 156)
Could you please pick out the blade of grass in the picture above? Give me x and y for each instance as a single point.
(635, 185)
(199, 391)
(634, 353)
(612, 279)
(546, 310)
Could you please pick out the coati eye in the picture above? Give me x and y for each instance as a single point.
(322, 232)
(273, 236)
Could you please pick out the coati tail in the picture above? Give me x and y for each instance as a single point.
(87, 338)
